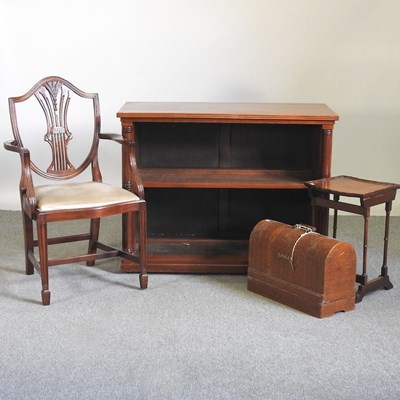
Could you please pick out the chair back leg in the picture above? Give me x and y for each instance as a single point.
(94, 237)
(143, 277)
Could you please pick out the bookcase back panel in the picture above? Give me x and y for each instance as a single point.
(286, 147)
(177, 145)
(221, 213)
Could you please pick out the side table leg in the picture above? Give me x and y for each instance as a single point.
(382, 281)
(365, 248)
(336, 198)
(384, 270)
(363, 279)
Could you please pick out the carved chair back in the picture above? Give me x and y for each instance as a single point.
(55, 96)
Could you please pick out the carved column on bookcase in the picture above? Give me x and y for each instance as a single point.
(327, 152)
(322, 216)
(128, 220)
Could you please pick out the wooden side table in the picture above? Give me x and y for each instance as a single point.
(326, 193)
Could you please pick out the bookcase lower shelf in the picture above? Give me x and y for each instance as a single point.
(195, 256)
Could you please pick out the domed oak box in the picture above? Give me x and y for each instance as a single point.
(302, 269)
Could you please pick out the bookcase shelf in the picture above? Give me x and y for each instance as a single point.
(224, 178)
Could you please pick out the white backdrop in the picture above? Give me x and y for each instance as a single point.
(345, 53)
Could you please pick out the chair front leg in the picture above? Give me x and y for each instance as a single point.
(94, 238)
(43, 255)
(28, 242)
(142, 233)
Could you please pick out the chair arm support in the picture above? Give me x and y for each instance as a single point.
(134, 184)
(27, 191)
(137, 185)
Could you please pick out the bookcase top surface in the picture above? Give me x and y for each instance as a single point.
(158, 111)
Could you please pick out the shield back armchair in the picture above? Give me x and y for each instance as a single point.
(67, 185)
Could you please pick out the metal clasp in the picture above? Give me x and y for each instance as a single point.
(305, 228)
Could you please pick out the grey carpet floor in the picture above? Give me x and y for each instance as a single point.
(189, 336)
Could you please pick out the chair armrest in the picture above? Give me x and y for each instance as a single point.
(115, 138)
(12, 145)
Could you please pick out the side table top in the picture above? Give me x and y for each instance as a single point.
(351, 186)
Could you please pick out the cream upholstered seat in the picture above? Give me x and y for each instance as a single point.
(67, 199)
(80, 195)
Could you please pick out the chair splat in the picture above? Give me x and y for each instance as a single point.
(54, 99)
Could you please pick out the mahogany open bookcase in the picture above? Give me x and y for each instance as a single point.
(211, 171)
